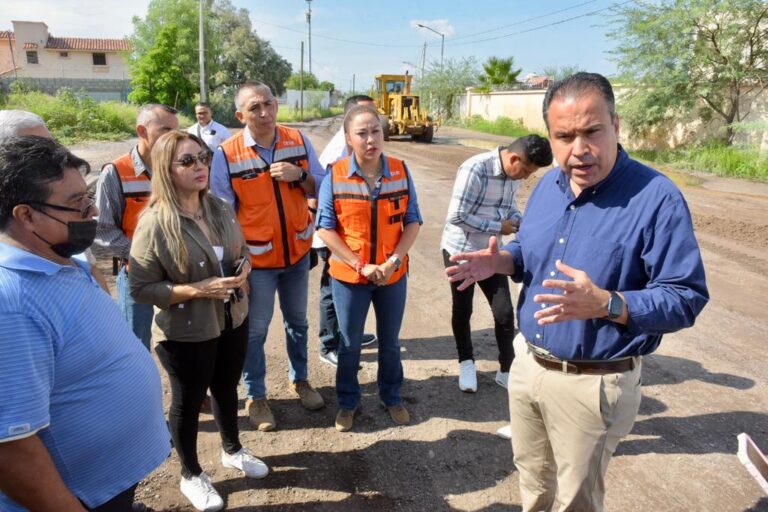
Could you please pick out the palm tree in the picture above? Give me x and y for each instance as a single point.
(499, 73)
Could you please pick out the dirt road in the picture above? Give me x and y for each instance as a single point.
(702, 387)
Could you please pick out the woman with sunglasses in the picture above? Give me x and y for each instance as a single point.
(189, 259)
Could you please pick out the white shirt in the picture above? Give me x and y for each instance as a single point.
(214, 134)
(336, 149)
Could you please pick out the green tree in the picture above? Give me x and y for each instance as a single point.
(444, 84)
(559, 72)
(498, 74)
(157, 77)
(295, 81)
(683, 55)
(326, 86)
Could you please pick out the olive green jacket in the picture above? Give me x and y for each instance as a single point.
(152, 273)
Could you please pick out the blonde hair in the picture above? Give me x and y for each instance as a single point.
(164, 200)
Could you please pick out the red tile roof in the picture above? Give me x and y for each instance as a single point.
(81, 43)
(30, 46)
(6, 34)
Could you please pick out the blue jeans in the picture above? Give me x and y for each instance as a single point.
(138, 316)
(292, 286)
(352, 303)
(329, 325)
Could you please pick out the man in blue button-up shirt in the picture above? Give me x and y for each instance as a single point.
(609, 263)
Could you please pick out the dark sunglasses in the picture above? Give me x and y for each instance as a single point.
(187, 160)
(83, 211)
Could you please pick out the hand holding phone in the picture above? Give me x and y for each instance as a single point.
(240, 265)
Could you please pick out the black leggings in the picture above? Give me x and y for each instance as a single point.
(192, 368)
(496, 291)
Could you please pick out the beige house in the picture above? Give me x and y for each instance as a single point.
(31, 53)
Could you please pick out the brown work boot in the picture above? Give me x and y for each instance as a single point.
(310, 398)
(260, 415)
(399, 414)
(344, 419)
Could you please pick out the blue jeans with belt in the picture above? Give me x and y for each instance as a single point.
(352, 302)
(138, 316)
(292, 285)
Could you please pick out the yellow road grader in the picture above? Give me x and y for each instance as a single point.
(400, 110)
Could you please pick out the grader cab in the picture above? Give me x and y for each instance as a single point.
(400, 110)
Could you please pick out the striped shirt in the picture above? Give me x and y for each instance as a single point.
(111, 204)
(483, 196)
(73, 373)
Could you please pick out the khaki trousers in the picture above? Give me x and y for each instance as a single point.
(565, 427)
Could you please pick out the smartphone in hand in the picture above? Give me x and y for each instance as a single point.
(239, 270)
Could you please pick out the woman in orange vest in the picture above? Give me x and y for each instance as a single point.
(368, 216)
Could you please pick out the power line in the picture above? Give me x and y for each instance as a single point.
(364, 43)
(534, 18)
(585, 15)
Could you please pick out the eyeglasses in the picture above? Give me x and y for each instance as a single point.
(187, 160)
(83, 211)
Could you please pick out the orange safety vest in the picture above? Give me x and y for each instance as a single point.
(274, 214)
(370, 227)
(136, 191)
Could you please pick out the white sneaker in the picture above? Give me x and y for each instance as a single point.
(200, 492)
(467, 376)
(502, 378)
(505, 432)
(243, 460)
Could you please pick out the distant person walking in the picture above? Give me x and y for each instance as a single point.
(213, 134)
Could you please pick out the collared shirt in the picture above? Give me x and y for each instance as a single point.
(73, 373)
(483, 196)
(631, 233)
(111, 204)
(213, 134)
(336, 149)
(326, 213)
(222, 187)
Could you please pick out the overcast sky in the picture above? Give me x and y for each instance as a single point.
(365, 38)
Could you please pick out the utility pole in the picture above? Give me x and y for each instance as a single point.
(442, 41)
(353, 82)
(309, 23)
(423, 58)
(301, 83)
(203, 95)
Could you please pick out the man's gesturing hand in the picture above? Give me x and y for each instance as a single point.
(475, 266)
(581, 298)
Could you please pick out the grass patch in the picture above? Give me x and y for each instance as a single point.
(73, 117)
(290, 114)
(501, 126)
(713, 158)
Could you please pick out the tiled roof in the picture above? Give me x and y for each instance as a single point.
(6, 34)
(30, 46)
(81, 43)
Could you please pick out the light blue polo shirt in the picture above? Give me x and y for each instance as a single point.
(72, 371)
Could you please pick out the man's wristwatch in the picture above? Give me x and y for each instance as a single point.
(395, 261)
(615, 306)
(303, 177)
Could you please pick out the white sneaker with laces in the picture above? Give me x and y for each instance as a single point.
(467, 376)
(505, 432)
(502, 378)
(330, 358)
(250, 466)
(200, 492)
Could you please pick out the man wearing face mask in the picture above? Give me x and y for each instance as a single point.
(82, 422)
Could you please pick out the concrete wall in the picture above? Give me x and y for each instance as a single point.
(98, 89)
(311, 98)
(526, 106)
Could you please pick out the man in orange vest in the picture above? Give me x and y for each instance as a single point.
(121, 193)
(266, 172)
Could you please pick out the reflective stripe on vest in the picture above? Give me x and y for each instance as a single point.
(370, 227)
(274, 215)
(136, 191)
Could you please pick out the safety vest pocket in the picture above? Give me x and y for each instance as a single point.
(259, 239)
(307, 233)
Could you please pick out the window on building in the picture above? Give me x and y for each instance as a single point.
(63, 55)
(32, 57)
(99, 59)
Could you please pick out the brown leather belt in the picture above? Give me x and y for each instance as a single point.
(586, 367)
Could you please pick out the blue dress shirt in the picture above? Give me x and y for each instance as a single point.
(632, 233)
